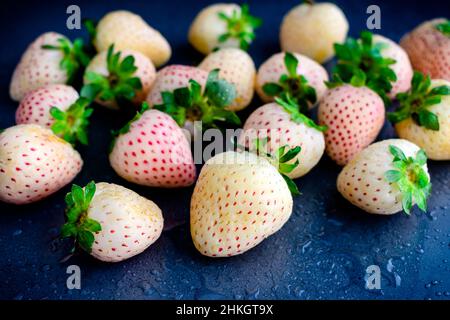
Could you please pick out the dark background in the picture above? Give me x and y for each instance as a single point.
(321, 253)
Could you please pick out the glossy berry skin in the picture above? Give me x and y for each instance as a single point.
(145, 72)
(127, 30)
(237, 67)
(130, 223)
(354, 116)
(312, 30)
(435, 143)
(35, 106)
(155, 153)
(272, 121)
(239, 200)
(34, 163)
(173, 77)
(363, 182)
(274, 67)
(38, 67)
(402, 66)
(429, 50)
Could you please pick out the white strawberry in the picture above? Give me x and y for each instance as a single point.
(423, 116)
(386, 177)
(126, 30)
(58, 107)
(289, 73)
(239, 200)
(223, 26)
(110, 222)
(236, 67)
(283, 124)
(312, 29)
(113, 78)
(50, 59)
(34, 163)
(152, 150)
(428, 47)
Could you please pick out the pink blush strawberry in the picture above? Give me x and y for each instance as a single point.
(174, 77)
(154, 152)
(35, 107)
(354, 116)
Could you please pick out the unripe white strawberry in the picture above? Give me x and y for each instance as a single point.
(114, 77)
(110, 222)
(126, 30)
(386, 177)
(283, 126)
(313, 29)
(223, 26)
(236, 67)
(239, 200)
(287, 70)
(423, 116)
(34, 163)
(428, 47)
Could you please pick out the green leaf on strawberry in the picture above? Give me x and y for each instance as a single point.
(71, 125)
(415, 103)
(410, 177)
(78, 225)
(292, 85)
(189, 103)
(120, 84)
(296, 115)
(240, 26)
(444, 27)
(362, 56)
(279, 159)
(74, 58)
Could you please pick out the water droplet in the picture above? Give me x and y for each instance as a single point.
(46, 268)
(17, 232)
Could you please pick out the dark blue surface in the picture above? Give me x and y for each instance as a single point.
(321, 253)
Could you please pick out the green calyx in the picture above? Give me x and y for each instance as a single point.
(416, 102)
(126, 127)
(78, 225)
(444, 27)
(189, 103)
(279, 160)
(410, 177)
(240, 26)
(120, 84)
(74, 56)
(292, 86)
(297, 116)
(71, 125)
(362, 56)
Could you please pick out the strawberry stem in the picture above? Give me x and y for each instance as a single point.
(78, 225)
(71, 125)
(240, 26)
(410, 177)
(119, 86)
(188, 103)
(416, 102)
